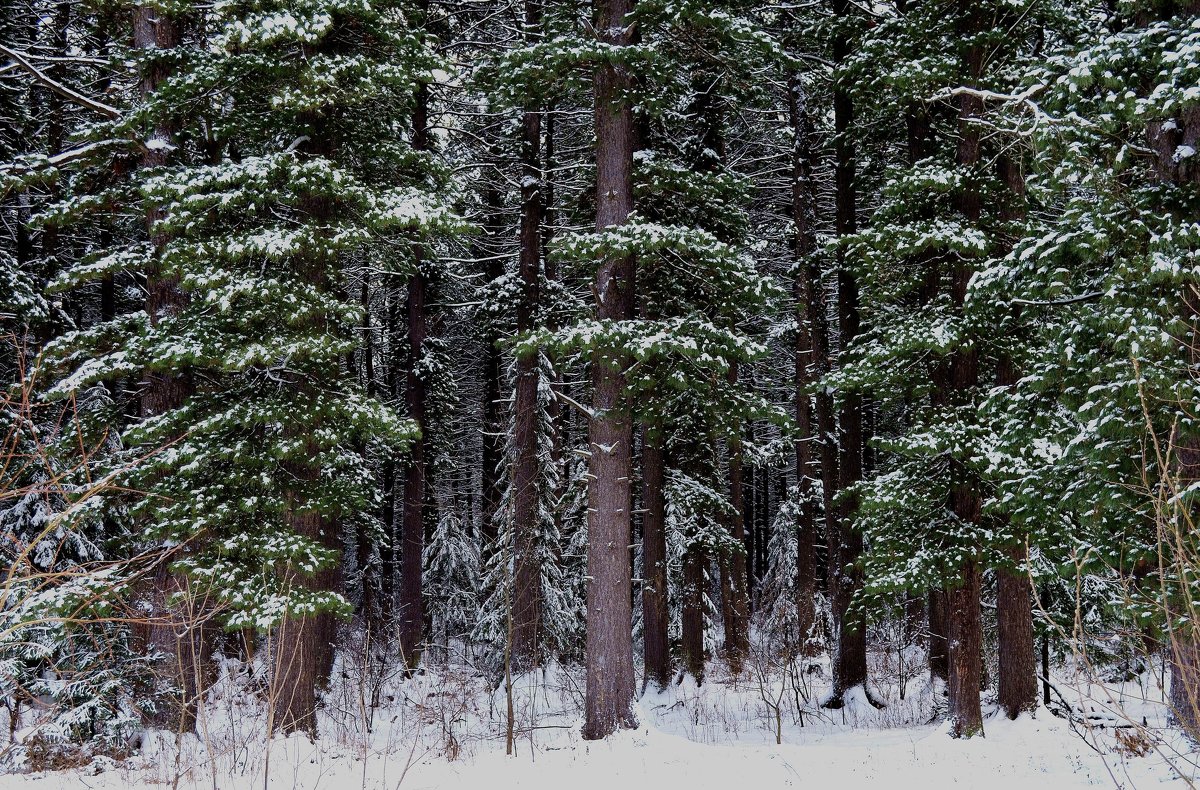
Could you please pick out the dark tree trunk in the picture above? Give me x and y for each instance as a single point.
(493, 428)
(816, 323)
(52, 104)
(179, 630)
(609, 658)
(809, 328)
(850, 657)
(527, 575)
(966, 636)
(366, 558)
(161, 392)
(411, 605)
(734, 605)
(304, 646)
(1014, 592)
(1185, 680)
(765, 522)
(655, 614)
(693, 611)
(387, 548)
(939, 635)
(965, 654)
(751, 481)
(410, 615)
(391, 471)
(1014, 617)
(554, 409)
(1184, 643)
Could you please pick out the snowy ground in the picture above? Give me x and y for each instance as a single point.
(445, 729)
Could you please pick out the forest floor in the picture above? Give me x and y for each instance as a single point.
(445, 728)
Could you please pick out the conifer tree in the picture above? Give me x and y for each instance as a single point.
(1103, 263)
(254, 215)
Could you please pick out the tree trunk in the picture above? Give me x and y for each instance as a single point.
(304, 646)
(850, 658)
(734, 605)
(1185, 680)
(527, 576)
(1014, 618)
(410, 623)
(366, 558)
(693, 611)
(393, 492)
(965, 654)
(609, 659)
(809, 327)
(387, 548)
(493, 428)
(554, 409)
(178, 629)
(939, 635)
(751, 482)
(966, 636)
(1014, 592)
(655, 613)
(1180, 552)
(411, 604)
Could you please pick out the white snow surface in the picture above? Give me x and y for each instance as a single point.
(445, 729)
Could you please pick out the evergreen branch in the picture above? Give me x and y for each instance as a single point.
(1087, 297)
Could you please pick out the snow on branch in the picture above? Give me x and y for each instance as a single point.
(56, 86)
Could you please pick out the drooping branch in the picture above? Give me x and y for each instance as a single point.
(1087, 297)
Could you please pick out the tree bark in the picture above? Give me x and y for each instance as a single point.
(966, 636)
(1180, 552)
(734, 604)
(411, 605)
(655, 613)
(304, 645)
(527, 576)
(366, 559)
(1164, 139)
(1017, 690)
(965, 653)
(850, 656)
(609, 658)
(1014, 617)
(809, 328)
(751, 483)
(179, 628)
(493, 428)
(410, 615)
(939, 635)
(390, 474)
(693, 611)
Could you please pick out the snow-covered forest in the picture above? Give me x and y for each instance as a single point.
(544, 393)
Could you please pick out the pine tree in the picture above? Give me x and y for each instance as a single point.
(252, 218)
(931, 349)
(1103, 263)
